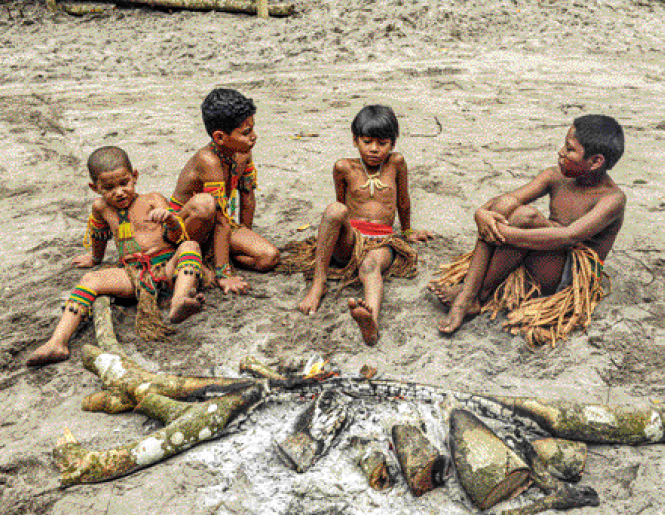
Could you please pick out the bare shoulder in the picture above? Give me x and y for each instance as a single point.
(205, 159)
(99, 206)
(343, 166)
(396, 159)
(153, 197)
(617, 196)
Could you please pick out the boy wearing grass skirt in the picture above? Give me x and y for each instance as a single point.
(356, 240)
(545, 271)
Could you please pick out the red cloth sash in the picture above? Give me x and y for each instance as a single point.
(371, 228)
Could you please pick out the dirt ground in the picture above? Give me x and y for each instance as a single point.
(484, 93)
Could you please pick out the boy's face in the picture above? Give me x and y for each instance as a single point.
(242, 139)
(373, 151)
(116, 187)
(572, 162)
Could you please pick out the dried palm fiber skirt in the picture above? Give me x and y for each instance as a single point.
(148, 279)
(300, 256)
(542, 320)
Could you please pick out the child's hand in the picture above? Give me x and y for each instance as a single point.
(233, 284)
(84, 261)
(161, 215)
(421, 235)
(488, 228)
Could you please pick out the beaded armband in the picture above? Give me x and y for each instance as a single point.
(97, 230)
(224, 271)
(408, 233)
(248, 181)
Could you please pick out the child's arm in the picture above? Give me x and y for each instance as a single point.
(247, 207)
(339, 178)
(246, 190)
(404, 202)
(607, 211)
(498, 209)
(97, 235)
(174, 228)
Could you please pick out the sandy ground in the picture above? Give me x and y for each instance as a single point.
(503, 80)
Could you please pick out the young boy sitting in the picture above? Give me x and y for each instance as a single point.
(150, 241)
(563, 255)
(356, 235)
(217, 185)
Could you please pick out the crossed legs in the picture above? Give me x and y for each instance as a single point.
(489, 267)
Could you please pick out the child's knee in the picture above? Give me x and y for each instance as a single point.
(202, 206)
(368, 267)
(336, 212)
(525, 217)
(190, 246)
(268, 260)
(91, 280)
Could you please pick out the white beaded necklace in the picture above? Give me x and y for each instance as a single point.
(373, 180)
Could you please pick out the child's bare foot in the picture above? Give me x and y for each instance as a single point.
(50, 352)
(446, 293)
(184, 307)
(310, 304)
(460, 309)
(362, 314)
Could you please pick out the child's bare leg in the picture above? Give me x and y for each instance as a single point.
(252, 251)
(198, 214)
(112, 281)
(335, 236)
(366, 312)
(186, 301)
(466, 302)
(489, 267)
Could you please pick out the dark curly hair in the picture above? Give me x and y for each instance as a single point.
(225, 110)
(107, 159)
(600, 134)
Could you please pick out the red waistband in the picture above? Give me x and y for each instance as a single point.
(371, 228)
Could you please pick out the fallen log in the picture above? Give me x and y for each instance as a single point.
(565, 459)
(187, 425)
(560, 496)
(230, 6)
(596, 423)
(372, 461)
(314, 430)
(423, 466)
(127, 383)
(488, 470)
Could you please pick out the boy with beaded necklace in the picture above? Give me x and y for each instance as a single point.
(217, 185)
(151, 244)
(356, 235)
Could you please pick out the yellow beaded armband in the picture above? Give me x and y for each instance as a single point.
(408, 232)
(97, 230)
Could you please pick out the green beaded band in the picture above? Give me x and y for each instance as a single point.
(223, 271)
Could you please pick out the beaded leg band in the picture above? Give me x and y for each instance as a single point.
(189, 263)
(80, 300)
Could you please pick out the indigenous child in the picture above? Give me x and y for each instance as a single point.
(356, 237)
(217, 185)
(151, 244)
(545, 271)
